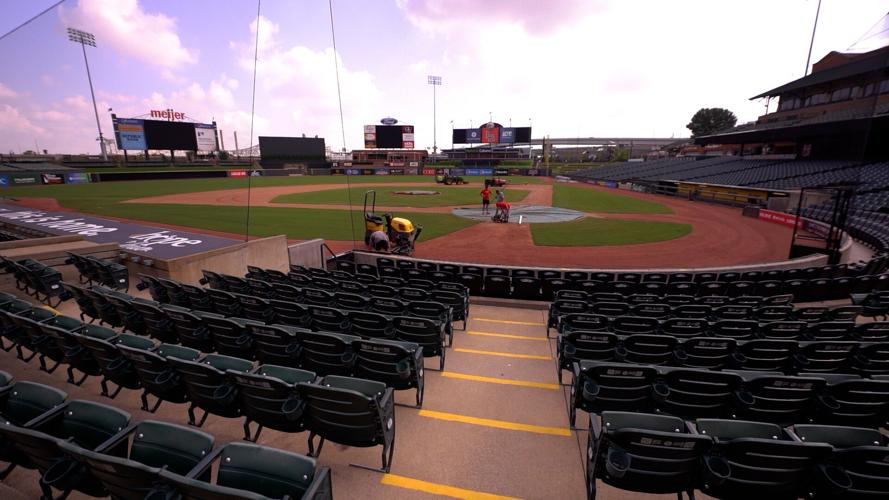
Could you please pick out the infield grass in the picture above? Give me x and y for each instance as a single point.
(590, 232)
(386, 196)
(589, 200)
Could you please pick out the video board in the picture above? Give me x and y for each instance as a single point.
(389, 136)
(138, 134)
(492, 133)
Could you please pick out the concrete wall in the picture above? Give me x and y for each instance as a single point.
(306, 253)
(268, 253)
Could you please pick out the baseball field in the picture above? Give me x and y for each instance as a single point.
(617, 225)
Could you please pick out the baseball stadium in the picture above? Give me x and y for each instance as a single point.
(524, 315)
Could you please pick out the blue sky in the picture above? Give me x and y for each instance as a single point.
(574, 67)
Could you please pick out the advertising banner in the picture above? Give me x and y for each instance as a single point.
(473, 172)
(370, 129)
(407, 137)
(370, 144)
(77, 178)
(413, 164)
(52, 179)
(507, 135)
(25, 179)
(131, 134)
(501, 171)
(237, 173)
(486, 171)
(370, 137)
(408, 144)
(4, 180)
(407, 129)
(138, 238)
(353, 171)
(458, 171)
(473, 136)
(205, 136)
(428, 171)
(491, 135)
(778, 217)
(381, 171)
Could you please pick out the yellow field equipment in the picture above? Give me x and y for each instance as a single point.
(402, 234)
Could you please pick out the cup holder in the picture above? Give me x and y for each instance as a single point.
(835, 479)
(617, 463)
(744, 398)
(716, 470)
(660, 391)
(590, 390)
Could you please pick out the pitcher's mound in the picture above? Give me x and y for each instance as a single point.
(529, 214)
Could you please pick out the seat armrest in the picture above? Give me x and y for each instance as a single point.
(117, 438)
(42, 420)
(204, 465)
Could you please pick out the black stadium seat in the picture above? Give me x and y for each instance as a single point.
(156, 375)
(262, 394)
(207, 387)
(858, 466)
(654, 454)
(130, 470)
(352, 412)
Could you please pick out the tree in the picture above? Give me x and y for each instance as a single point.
(711, 120)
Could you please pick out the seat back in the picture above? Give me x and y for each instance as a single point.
(647, 349)
(646, 453)
(428, 333)
(327, 353)
(690, 393)
(370, 325)
(758, 459)
(778, 399)
(262, 394)
(229, 336)
(291, 313)
(349, 411)
(704, 352)
(24, 401)
(399, 365)
(276, 345)
(602, 387)
(206, 384)
(157, 376)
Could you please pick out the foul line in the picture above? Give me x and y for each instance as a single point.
(503, 354)
(498, 424)
(438, 489)
(504, 381)
(508, 322)
(507, 336)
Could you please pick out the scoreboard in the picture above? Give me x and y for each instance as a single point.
(492, 133)
(389, 136)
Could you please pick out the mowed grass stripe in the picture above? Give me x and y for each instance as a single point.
(438, 489)
(503, 381)
(497, 424)
(503, 354)
(506, 336)
(509, 322)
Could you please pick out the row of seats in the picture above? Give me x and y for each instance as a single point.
(603, 311)
(98, 450)
(427, 300)
(841, 399)
(394, 361)
(35, 279)
(785, 356)
(660, 454)
(807, 285)
(99, 271)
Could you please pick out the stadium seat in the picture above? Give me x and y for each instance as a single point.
(684, 327)
(580, 345)
(20, 403)
(628, 451)
(849, 400)
(630, 325)
(328, 319)
(276, 344)
(587, 322)
(157, 291)
(74, 355)
(778, 399)
(429, 334)
(157, 324)
(129, 467)
(352, 412)
(858, 466)
(132, 319)
(830, 330)
(691, 393)
(459, 304)
(158, 378)
(251, 472)
(83, 423)
(190, 328)
(598, 387)
(229, 336)
(876, 331)
(734, 329)
(352, 301)
(84, 302)
(647, 349)
(497, 286)
(224, 303)
(207, 387)
(783, 330)
(399, 365)
(327, 353)
(697, 311)
(764, 355)
(756, 459)
(115, 367)
(35, 339)
(256, 308)
(704, 352)
(435, 311)
(267, 397)
(106, 310)
(291, 313)
(387, 306)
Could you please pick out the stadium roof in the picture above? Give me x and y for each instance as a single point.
(858, 64)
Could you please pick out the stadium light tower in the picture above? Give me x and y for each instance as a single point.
(84, 39)
(435, 81)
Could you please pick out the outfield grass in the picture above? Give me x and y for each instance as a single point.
(296, 223)
(162, 168)
(590, 232)
(386, 197)
(589, 200)
(105, 198)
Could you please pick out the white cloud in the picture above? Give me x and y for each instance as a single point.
(125, 26)
(54, 116)
(12, 120)
(6, 92)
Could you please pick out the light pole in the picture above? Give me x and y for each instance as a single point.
(812, 43)
(435, 81)
(452, 135)
(84, 39)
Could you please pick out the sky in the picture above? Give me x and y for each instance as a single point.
(570, 68)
